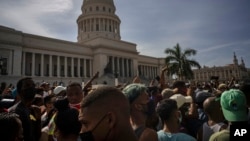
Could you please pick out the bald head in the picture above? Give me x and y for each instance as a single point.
(211, 105)
(106, 99)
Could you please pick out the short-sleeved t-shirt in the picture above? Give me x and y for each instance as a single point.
(223, 135)
(164, 136)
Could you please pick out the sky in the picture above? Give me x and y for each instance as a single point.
(214, 28)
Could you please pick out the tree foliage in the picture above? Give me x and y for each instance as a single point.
(179, 63)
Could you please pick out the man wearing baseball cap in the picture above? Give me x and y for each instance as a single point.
(234, 108)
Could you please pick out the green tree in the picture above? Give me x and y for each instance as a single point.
(178, 62)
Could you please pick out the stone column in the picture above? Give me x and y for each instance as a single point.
(100, 27)
(72, 67)
(65, 67)
(58, 66)
(24, 65)
(78, 67)
(142, 71)
(118, 66)
(84, 68)
(10, 64)
(132, 68)
(42, 65)
(50, 65)
(90, 68)
(33, 64)
(113, 64)
(127, 67)
(123, 69)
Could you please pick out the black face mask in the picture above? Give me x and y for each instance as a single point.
(29, 93)
(88, 136)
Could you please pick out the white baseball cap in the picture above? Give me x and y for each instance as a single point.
(58, 89)
(180, 99)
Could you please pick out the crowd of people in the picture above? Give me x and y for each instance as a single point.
(132, 112)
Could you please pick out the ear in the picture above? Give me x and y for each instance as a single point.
(112, 119)
(178, 114)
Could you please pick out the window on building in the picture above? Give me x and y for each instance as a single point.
(88, 67)
(81, 71)
(97, 27)
(3, 66)
(62, 70)
(55, 70)
(75, 71)
(39, 69)
(92, 28)
(69, 71)
(139, 70)
(97, 8)
(47, 70)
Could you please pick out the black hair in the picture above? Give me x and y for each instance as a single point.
(245, 88)
(178, 84)
(152, 90)
(98, 94)
(74, 84)
(3, 86)
(9, 126)
(20, 83)
(166, 109)
(47, 98)
(66, 119)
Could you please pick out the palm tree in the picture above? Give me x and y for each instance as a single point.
(178, 62)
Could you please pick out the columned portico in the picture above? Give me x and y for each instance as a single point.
(59, 68)
(98, 43)
(124, 67)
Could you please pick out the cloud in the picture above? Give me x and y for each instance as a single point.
(153, 26)
(217, 47)
(26, 15)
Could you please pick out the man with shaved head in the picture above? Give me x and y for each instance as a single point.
(105, 116)
(215, 121)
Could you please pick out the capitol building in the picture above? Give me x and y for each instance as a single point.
(99, 48)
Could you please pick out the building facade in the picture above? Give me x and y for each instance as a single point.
(223, 73)
(99, 48)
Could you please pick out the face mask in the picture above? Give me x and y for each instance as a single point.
(88, 136)
(29, 93)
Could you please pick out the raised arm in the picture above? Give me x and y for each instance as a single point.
(162, 77)
(88, 84)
